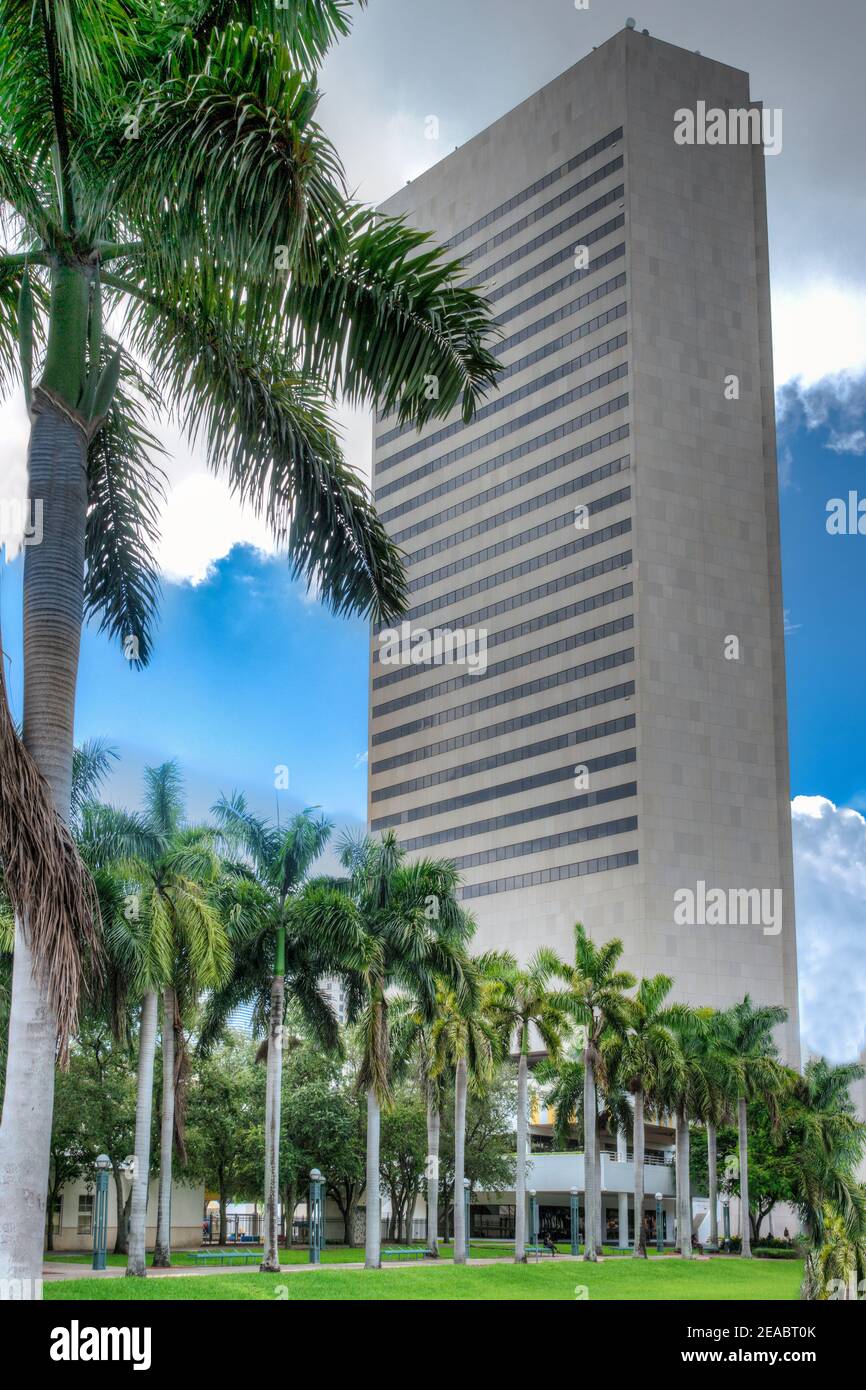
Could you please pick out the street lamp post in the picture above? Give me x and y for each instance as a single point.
(575, 1225)
(533, 1219)
(467, 1188)
(100, 1214)
(316, 1216)
(659, 1219)
(726, 1217)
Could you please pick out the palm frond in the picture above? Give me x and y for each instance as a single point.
(125, 488)
(267, 429)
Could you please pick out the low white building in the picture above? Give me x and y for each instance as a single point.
(72, 1218)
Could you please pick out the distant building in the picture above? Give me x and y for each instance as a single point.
(72, 1218)
(603, 540)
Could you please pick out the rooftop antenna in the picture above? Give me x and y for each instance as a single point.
(630, 23)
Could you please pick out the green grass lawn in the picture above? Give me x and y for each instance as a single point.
(333, 1254)
(652, 1280)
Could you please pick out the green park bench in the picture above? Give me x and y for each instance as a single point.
(404, 1252)
(235, 1256)
(539, 1250)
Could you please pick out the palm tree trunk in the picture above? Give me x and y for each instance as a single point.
(53, 610)
(373, 1238)
(684, 1198)
(460, 1232)
(162, 1247)
(273, 1095)
(713, 1184)
(520, 1183)
(743, 1127)
(121, 1237)
(639, 1153)
(136, 1264)
(433, 1130)
(602, 1208)
(590, 1143)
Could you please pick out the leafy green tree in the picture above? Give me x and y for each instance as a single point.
(69, 1147)
(224, 1121)
(164, 169)
(745, 1037)
(107, 1103)
(770, 1156)
(489, 1152)
(170, 929)
(324, 1129)
(403, 1158)
(523, 1004)
(410, 934)
(465, 1040)
(279, 958)
(645, 1058)
(596, 1000)
(829, 1143)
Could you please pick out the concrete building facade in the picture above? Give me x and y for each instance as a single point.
(606, 528)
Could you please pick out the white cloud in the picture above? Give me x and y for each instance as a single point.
(14, 514)
(819, 331)
(853, 442)
(830, 873)
(200, 523)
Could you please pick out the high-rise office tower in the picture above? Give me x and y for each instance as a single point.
(609, 523)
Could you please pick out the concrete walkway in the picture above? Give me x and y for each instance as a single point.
(56, 1270)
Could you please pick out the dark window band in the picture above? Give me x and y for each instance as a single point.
(481, 470)
(590, 325)
(525, 691)
(538, 354)
(512, 484)
(572, 739)
(555, 261)
(545, 209)
(511, 663)
(504, 789)
(549, 234)
(538, 876)
(535, 562)
(552, 808)
(534, 533)
(599, 831)
(574, 277)
(586, 388)
(538, 186)
(524, 508)
(525, 629)
(506, 399)
(514, 725)
(574, 306)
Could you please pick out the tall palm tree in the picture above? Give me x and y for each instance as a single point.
(688, 1094)
(170, 871)
(164, 169)
(465, 1044)
(411, 1048)
(827, 1141)
(723, 1071)
(596, 999)
(525, 1006)
(746, 1037)
(645, 1059)
(282, 953)
(411, 934)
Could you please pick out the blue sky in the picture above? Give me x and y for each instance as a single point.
(249, 673)
(824, 579)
